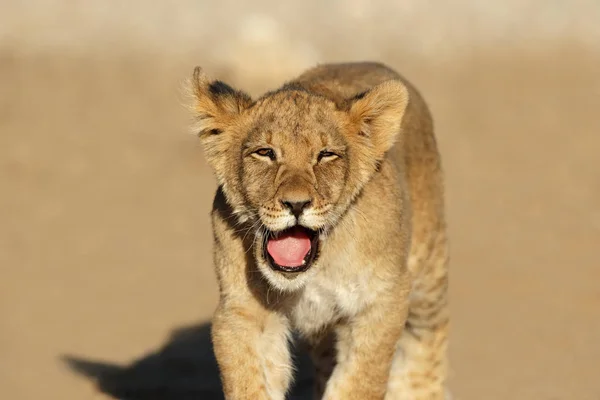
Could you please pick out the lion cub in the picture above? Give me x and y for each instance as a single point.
(328, 220)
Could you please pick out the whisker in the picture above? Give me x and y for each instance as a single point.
(251, 228)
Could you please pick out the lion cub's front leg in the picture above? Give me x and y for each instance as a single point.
(366, 345)
(251, 347)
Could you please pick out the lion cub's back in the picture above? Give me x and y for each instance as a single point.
(342, 81)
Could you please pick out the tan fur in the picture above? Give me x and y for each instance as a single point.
(374, 304)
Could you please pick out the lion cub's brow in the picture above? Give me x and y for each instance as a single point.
(308, 139)
(302, 131)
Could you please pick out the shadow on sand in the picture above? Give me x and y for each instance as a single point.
(183, 369)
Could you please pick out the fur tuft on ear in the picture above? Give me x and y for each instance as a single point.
(214, 103)
(378, 113)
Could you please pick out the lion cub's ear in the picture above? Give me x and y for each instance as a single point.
(379, 113)
(214, 104)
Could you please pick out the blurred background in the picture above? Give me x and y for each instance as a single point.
(105, 247)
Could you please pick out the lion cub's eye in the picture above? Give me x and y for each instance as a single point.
(326, 156)
(265, 152)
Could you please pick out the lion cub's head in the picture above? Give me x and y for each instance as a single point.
(291, 163)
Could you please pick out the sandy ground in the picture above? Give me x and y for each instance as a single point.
(105, 252)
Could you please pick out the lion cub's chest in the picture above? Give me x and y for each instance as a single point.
(327, 298)
(316, 308)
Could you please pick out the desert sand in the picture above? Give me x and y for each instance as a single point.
(106, 282)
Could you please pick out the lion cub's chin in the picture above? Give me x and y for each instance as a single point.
(287, 257)
(286, 281)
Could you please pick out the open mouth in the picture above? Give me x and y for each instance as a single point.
(292, 250)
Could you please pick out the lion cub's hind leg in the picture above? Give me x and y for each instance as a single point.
(323, 355)
(420, 365)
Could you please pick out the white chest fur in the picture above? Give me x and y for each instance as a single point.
(336, 291)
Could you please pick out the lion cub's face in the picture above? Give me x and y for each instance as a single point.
(293, 169)
(291, 163)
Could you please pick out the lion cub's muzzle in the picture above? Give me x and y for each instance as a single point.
(292, 250)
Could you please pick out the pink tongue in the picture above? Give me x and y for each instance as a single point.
(290, 248)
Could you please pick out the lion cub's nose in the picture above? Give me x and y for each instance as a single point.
(296, 207)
